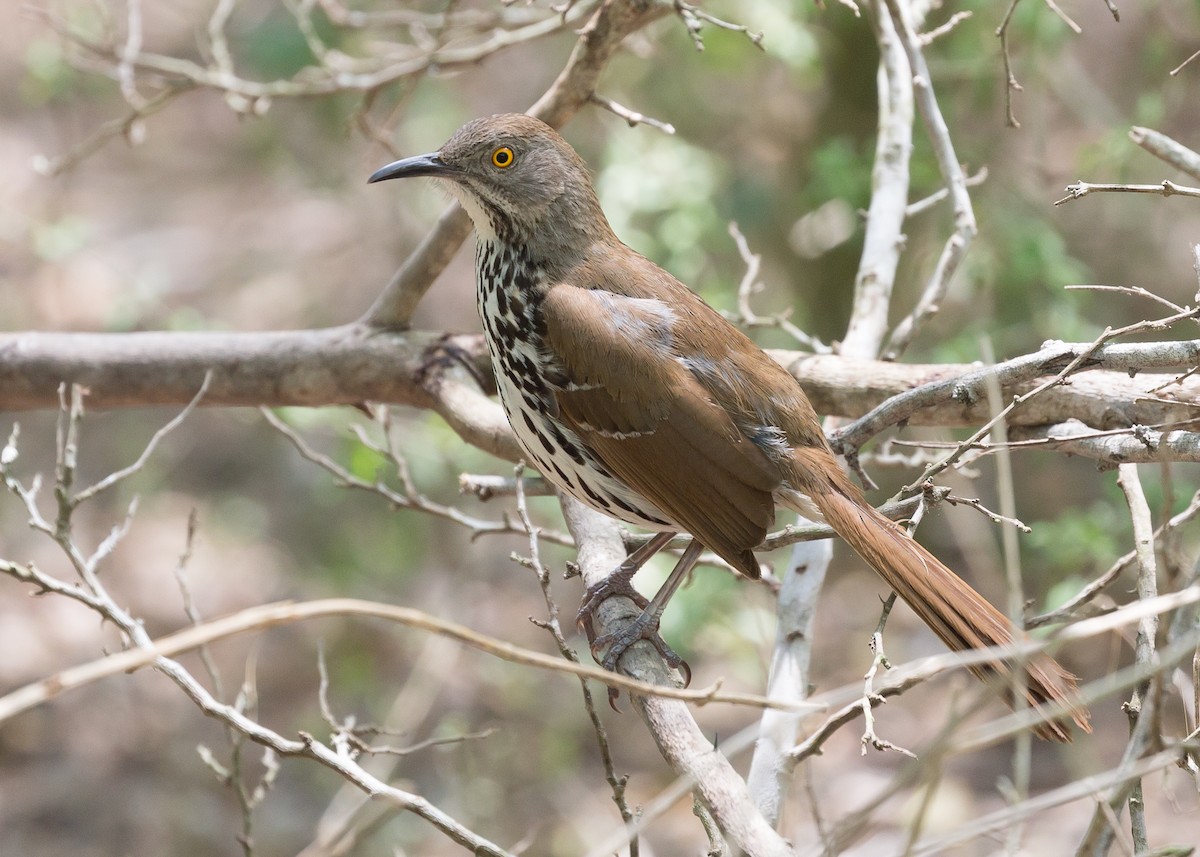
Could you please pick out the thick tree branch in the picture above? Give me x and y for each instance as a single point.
(679, 738)
(450, 374)
(353, 363)
(1100, 399)
(955, 249)
(884, 236)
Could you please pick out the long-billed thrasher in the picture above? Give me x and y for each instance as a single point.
(638, 399)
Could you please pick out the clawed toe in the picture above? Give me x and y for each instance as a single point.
(615, 584)
(609, 648)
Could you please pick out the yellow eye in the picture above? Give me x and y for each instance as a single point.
(503, 157)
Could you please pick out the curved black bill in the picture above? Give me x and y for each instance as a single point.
(418, 165)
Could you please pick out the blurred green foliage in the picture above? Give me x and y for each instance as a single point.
(273, 45)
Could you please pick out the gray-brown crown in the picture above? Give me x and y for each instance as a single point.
(518, 179)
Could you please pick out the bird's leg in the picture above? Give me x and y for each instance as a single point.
(645, 626)
(619, 582)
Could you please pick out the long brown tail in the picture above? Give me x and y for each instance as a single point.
(947, 604)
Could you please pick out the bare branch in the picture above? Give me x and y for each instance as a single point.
(930, 36)
(142, 650)
(976, 504)
(371, 73)
(123, 126)
(942, 193)
(789, 678)
(632, 117)
(1136, 445)
(746, 316)
(1010, 79)
(1081, 789)
(125, 472)
(150, 652)
(1196, 266)
(1064, 17)
(409, 496)
(968, 389)
(884, 237)
(1141, 707)
(487, 486)
(1165, 149)
(1173, 72)
(615, 783)
(1167, 188)
(694, 18)
(352, 364)
(869, 699)
(679, 739)
(959, 242)
(1089, 592)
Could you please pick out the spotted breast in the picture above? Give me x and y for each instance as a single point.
(508, 293)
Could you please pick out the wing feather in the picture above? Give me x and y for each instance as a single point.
(625, 391)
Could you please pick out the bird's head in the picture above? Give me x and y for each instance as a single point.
(515, 176)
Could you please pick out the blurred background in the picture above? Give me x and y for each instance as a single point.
(216, 220)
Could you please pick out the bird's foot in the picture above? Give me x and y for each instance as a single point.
(616, 643)
(620, 582)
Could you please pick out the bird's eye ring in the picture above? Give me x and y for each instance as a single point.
(503, 157)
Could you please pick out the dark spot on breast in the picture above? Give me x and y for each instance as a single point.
(522, 279)
(599, 500)
(566, 480)
(622, 504)
(505, 329)
(566, 446)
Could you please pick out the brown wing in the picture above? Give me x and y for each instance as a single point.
(647, 418)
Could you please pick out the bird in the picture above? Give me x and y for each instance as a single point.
(631, 394)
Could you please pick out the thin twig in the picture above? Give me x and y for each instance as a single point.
(930, 36)
(937, 196)
(869, 697)
(996, 518)
(125, 472)
(1063, 16)
(1075, 364)
(1010, 79)
(1133, 291)
(271, 615)
(408, 497)
(749, 285)
(1181, 66)
(631, 117)
(617, 784)
(1141, 709)
(486, 486)
(694, 18)
(1097, 585)
(129, 53)
(142, 650)
(1078, 190)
